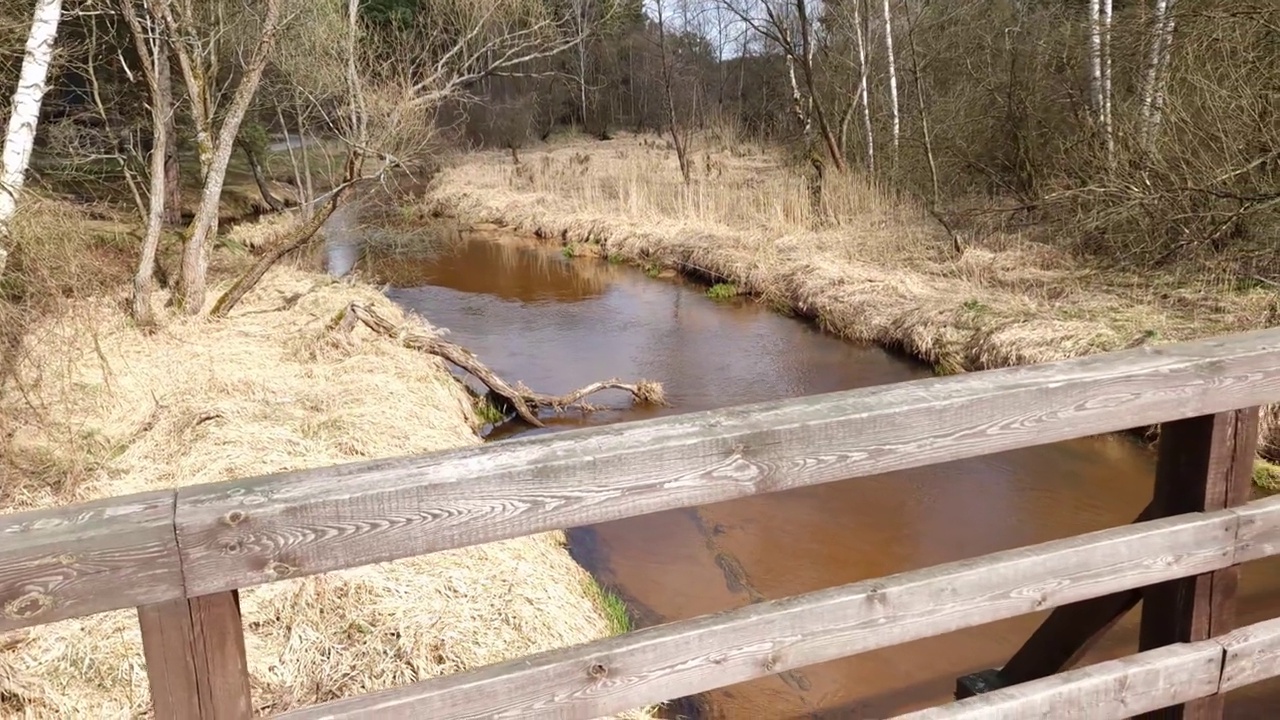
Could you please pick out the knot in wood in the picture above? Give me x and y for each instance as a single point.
(28, 606)
(68, 558)
(235, 517)
(280, 570)
(598, 671)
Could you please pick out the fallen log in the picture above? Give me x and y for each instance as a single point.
(523, 401)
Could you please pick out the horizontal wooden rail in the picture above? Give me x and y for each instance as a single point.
(84, 559)
(120, 553)
(693, 656)
(239, 534)
(1122, 688)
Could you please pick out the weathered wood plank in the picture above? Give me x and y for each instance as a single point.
(196, 658)
(688, 657)
(222, 670)
(1110, 690)
(1204, 463)
(262, 529)
(1062, 639)
(87, 558)
(1259, 530)
(168, 646)
(1252, 655)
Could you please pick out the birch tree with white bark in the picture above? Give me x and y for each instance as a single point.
(1095, 59)
(1155, 74)
(1100, 71)
(24, 114)
(891, 64)
(1108, 122)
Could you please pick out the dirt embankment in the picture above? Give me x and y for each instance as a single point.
(865, 265)
(96, 408)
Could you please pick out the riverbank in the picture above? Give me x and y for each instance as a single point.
(866, 266)
(96, 408)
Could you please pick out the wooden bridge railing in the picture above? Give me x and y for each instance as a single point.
(180, 556)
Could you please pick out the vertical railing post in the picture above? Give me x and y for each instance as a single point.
(196, 659)
(1204, 463)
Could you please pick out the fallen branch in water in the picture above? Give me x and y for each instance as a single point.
(519, 398)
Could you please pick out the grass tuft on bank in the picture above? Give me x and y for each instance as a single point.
(866, 264)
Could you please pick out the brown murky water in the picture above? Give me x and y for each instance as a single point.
(557, 323)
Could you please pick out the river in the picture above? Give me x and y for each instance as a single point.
(556, 323)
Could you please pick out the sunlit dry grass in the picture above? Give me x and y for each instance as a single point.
(865, 263)
(98, 408)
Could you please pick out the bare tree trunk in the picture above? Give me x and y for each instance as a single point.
(1095, 59)
(154, 57)
(860, 39)
(1108, 125)
(260, 178)
(677, 139)
(307, 202)
(24, 113)
(895, 115)
(1162, 26)
(172, 169)
(806, 47)
(924, 115)
(192, 274)
(190, 292)
(579, 12)
(140, 302)
(845, 118)
(797, 102)
(293, 157)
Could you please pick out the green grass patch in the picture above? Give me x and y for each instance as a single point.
(722, 291)
(1266, 476)
(569, 252)
(615, 610)
(653, 270)
(488, 412)
(615, 259)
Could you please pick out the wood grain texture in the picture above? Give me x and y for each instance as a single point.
(222, 670)
(1110, 690)
(1252, 655)
(263, 529)
(168, 641)
(196, 658)
(1204, 463)
(1259, 530)
(684, 658)
(87, 558)
(1066, 635)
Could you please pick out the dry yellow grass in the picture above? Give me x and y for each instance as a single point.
(866, 265)
(99, 409)
(260, 231)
